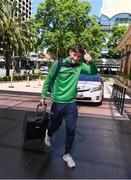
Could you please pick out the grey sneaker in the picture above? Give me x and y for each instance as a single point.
(47, 138)
(70, 162)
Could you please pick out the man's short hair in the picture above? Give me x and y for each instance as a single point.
(79, 49)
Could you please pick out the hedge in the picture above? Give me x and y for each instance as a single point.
(23, 77)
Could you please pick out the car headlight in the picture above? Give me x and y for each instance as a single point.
(96, 88)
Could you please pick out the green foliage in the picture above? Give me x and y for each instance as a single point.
(23, 77)
(93, 39)
(7, 78)
(17, 36)
(129, 76)
(114, 39)
(125, 75)
(64, 23)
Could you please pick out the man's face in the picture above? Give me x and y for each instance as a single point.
(46, 56)
(74, 56)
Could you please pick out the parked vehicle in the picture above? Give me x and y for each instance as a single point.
(29, 66)
(44, 69)
(90, 88)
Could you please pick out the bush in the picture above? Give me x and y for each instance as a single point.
(125, 75)
(129, 76)
(7, 78)
(23, 77)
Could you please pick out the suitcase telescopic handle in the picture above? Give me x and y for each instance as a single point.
(45, 106)
(44, 109)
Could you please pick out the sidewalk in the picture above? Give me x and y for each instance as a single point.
(23, 86)
(33, 88)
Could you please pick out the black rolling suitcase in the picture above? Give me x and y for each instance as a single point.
(35, 124)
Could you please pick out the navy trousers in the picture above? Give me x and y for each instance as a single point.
(68, 112)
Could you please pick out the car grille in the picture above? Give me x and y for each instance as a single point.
(84, 98)
(82, 90)
(87, 98)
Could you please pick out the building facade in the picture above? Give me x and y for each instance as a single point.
(24, 7)
(125, 68)
(114, 12)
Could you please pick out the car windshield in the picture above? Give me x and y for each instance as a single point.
(85, 77)
(45, 63)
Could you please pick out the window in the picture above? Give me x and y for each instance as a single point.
(84, 77)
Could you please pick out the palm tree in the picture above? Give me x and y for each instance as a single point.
(17, 36)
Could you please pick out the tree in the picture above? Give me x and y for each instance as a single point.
(17, 36)
(63, 23)
(114, 39)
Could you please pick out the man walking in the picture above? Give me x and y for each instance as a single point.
(64, 94)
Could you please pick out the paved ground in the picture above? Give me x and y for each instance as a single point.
(29, 102)
(101, 149)
(22, 86)
(108, 109)
(25, 95)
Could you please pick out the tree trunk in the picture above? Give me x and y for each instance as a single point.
(7, 65)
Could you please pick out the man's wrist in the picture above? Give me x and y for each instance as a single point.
(89, 62)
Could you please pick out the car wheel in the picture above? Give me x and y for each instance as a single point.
(100, 103)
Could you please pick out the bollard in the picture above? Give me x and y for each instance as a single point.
(11, 80)
(28, 85)
(39, 84)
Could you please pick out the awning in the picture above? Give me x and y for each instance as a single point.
(2, 60)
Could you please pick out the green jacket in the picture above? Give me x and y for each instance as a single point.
(65, 84)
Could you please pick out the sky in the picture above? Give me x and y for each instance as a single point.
(96, 5)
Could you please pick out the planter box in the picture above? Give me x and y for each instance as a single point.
(117, 76)
(129, 83)
(121, 78)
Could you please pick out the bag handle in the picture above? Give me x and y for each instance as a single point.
(44, 110)
(44, 107)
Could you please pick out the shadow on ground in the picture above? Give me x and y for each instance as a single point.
(101, 150)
